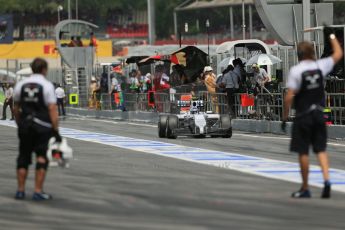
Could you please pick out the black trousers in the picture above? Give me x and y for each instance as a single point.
(61, 106)
(230, 92)
(309, 131)
(32, 138)
(4, 108)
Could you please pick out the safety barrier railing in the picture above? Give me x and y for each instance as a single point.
(335, 104)
(335, 86)
(105, 102)
(264, 106)
(215, 102)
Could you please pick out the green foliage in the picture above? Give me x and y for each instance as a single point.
(37, 6)
(165, 17)
(2, 97)
(164, 11)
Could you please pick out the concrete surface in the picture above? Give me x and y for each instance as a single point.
(254, 126)
(112, 188)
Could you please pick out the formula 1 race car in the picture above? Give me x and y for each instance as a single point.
(194, 123)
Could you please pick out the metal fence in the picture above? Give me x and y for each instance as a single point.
(336, 103)
(265, 106)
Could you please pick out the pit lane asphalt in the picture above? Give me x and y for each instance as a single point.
(112, 188)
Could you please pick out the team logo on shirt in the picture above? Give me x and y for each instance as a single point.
(313, 81)
(31, 94)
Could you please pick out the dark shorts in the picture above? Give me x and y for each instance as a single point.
(309, 130)
(35, 139)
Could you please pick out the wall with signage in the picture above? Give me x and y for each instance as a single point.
(45, 49)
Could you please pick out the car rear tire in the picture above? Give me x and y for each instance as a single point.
(172, 124)
(162, 126)
(225, 122)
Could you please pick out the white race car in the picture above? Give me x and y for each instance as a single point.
(194, 123)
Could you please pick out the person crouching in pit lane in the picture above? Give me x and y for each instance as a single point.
(306, 87)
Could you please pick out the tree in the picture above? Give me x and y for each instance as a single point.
(165, 17)
(36, 6)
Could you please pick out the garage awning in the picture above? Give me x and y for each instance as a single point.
(213, 4)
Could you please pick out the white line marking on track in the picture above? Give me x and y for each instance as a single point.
(145, 125)
(264, 167)
(280, 138)
(90, 119)
(262, 137)
(235, 134)
(111, 122)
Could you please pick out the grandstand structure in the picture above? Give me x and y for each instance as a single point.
(115, 24)
(132, 24)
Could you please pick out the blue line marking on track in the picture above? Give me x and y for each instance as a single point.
(268, 168)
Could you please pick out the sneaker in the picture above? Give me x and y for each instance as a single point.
(326, 193)
(19, 195)
(39, 196)
(301, 194)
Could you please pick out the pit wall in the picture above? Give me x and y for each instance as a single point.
(251, 126)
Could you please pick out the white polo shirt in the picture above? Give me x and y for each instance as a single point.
(9, 93)
(60, 93)
(48, 88)
(295, 76)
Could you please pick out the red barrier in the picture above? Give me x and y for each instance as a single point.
(247, 100)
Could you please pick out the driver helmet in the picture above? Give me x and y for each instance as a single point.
(59, 153)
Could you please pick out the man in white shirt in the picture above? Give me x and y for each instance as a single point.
(306, 87)
(145, 81)
(164, 84)
(60, 95)
(133, 81)
(115, 88)
(115, 85)
(8, 101)
(37, 119)
(260, 75)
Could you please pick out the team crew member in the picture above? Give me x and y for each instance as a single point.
(93, 40)
(8, 101)
(231, 81)
(37, 119)
(260, 75)
(306, 86)
(60, 95)
(210, 82)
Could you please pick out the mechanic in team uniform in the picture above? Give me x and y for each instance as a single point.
(306, 87)
(37, 119)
